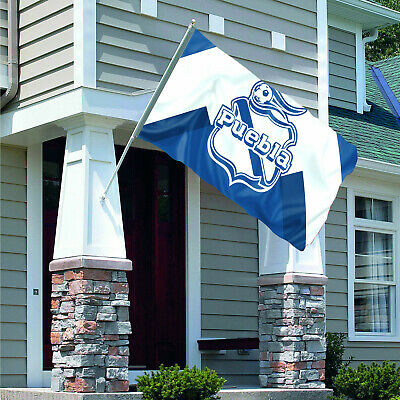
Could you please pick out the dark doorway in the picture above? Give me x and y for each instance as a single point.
(152, 189)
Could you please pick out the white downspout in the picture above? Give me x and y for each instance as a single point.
(368, 39)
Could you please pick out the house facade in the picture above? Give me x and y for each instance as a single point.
(91, 67)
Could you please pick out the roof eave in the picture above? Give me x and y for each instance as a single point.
(375, 15)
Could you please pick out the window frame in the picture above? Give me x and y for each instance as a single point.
(353, 223)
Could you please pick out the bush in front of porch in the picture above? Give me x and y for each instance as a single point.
(368, 382)
(172, 383)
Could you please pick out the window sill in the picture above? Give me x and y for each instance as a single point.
(371, 338)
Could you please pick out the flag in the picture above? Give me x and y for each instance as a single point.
(256, 145)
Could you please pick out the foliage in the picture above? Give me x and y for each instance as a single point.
(368, 382)
(388, 43)
(171, 383)
(334, 357)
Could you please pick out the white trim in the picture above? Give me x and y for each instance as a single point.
(193, 268)
(378, 166)
(34, 310)
(278, 41)
(384, 192)
(85, 43)
(360, 70)
(323, 62)
(149, 8)
(216, 24)
(104, 103)
(370, 7)
(342, 23)
(323, 85)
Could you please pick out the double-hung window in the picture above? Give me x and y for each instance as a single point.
(373, 252)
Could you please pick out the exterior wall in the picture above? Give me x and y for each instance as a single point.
(336, 297)
(342, 69)
(46, 50)
(12, 267)
(229, 272)
(133, 50)
(3, 39)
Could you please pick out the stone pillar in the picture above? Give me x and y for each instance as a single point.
(292, 331)
(90, 325)
(292, 315)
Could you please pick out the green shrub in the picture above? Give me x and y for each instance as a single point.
(369, 382)
(334, 357)
(171, 383)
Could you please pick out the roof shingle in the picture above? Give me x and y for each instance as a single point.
(376, 134)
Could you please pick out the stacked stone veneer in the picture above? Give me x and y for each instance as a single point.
(292, 336)
(89, 331)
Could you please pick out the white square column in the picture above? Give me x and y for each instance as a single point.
(85, 225)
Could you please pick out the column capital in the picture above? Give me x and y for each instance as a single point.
(84, 119)
(62, 264)
(290, 277)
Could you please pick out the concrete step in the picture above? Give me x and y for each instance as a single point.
(227, 394)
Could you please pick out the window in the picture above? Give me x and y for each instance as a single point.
(373, 290)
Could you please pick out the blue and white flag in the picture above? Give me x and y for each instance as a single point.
(254, 144)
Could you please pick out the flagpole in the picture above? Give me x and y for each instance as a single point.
(152, 101)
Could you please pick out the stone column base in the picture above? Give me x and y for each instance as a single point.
(90, 328)
(292, 331)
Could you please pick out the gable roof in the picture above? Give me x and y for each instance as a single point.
(376, 134)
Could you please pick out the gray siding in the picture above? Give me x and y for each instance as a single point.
(46, 50)
(133, 50)
(336, 269)
(229, 271)
(12, 267)
(342, 69)
(3, 32)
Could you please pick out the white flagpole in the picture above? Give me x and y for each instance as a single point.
(152, 101)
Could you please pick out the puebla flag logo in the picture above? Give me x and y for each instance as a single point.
(264, 135)
(256, 145)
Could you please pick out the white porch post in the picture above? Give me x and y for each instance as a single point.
(291, 313)
(86, 226)
(90, 324)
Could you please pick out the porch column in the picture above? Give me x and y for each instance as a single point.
(292, 316)
(90, 322)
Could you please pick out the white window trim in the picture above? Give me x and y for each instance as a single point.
(34, 317)
(381, 192)
(36, 376)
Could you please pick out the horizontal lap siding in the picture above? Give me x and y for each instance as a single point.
(133, 50)
(336, 297)
(46, 50)
(12, 267)
(3, 33)
(336, 264)
(342, 69)
(229, 271)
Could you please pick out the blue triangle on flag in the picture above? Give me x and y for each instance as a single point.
(197, 43)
